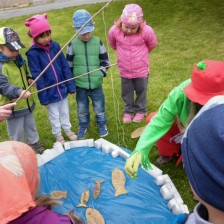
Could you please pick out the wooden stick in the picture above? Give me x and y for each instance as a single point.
(71, 79)
(34, 81)
(14, 100)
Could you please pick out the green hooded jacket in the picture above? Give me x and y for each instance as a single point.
(176, 105)
(13, 79)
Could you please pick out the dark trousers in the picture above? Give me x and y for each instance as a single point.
(134, 94)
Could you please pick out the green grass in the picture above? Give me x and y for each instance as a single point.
(187, 32)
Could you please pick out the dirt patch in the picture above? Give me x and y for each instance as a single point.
(13, 4)
(4, 5)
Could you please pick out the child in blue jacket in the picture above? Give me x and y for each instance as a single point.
(43, 49)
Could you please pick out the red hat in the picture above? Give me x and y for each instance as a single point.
(207, 81)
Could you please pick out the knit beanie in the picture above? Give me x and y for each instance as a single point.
(38, 24)
(132, 15)
(207, 81)
(203, 153)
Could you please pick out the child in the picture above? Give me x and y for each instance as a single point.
(13, 83)
(133, 40)
(202, 151)
(84, 54)
(20, 182)
(183, 102)
(43, 49)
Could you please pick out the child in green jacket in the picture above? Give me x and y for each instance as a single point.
(183, 103)
(13, 84)
(86, 53)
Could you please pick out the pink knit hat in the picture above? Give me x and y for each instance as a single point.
(38, 24)
(132, 15)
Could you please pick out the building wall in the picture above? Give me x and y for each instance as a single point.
(13, 3)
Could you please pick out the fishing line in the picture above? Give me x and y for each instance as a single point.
(61, 50)
(76, 77)
(115, 98)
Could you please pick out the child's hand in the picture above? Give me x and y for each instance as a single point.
(30, 82)
(25, 94)
(6, 110)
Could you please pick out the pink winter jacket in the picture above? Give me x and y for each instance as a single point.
(132, 50)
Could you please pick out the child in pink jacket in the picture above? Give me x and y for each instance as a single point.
(133, 40)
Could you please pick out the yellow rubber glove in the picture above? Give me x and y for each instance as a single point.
(132, 164)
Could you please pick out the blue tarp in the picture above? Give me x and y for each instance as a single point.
(76, 170)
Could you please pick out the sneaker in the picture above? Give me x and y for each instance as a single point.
(37, 147)
(71, 135)
(138, 117)
(103, 130)
(60, 139)
(81, 133)
(127, 118)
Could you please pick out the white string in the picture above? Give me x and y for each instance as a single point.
(115, 98)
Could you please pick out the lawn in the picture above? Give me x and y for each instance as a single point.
(187, 31)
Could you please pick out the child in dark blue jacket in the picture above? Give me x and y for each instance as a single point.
(43, 49)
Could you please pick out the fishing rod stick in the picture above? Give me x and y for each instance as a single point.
(59, 52)
(13, 101)
(72, 79)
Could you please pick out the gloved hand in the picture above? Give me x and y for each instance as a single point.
(132, 164)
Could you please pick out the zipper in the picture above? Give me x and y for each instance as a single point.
(55, 75)
(87, 64)
(24, 85)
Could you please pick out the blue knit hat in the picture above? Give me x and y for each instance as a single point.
(203, 153)
(80, 17)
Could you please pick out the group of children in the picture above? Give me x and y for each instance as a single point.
(133, 40)
(129, 36)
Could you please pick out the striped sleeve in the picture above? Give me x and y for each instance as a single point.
(70, 56)
(104, 60)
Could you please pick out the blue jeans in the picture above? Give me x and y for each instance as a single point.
(98, 101)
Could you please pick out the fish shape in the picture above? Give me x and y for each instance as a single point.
(118, 181)
(58, 194)
(97, 189)
(84, 199)
(93, 216)
(137, 132)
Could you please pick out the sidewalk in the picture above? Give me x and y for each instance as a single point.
(42, 6)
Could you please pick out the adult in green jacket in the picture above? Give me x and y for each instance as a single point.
(183, 102)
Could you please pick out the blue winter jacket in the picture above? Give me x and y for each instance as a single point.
(38, 59)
